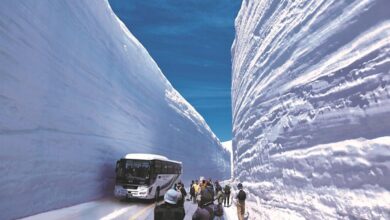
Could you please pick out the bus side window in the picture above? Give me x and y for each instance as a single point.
(157, 166)
(164, 168)
(170, 168)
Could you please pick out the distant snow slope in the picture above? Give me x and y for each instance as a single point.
(77, 92)
(311, 107)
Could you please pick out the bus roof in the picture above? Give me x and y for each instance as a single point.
(148, 157)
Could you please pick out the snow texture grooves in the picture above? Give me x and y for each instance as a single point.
(308, 73)
(77, 92)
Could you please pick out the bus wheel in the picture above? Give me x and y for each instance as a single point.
(157, 194)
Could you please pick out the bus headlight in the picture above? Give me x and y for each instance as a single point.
(142, 189)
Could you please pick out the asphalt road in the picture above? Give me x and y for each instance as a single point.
(108, 209)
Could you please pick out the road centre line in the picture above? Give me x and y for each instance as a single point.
(115, 214)
(142, 211)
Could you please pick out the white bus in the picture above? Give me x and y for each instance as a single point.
(145, 176)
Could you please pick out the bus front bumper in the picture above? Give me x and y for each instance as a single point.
(130, 193)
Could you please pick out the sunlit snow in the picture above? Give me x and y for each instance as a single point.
(311, 108)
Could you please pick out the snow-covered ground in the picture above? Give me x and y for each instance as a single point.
(311, 108)
(77, 92)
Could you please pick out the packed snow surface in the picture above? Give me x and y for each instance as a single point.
(311, 108)
(78, 92)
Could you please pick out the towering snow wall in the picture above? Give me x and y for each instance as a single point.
(77, 92)
(311, 108)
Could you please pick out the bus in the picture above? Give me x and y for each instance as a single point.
(145, 176)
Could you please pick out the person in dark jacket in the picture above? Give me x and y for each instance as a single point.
(227, 195)
(169, 210)
(217, 185)
(210, 189)
(240, 202)
(182, 190)
(192, 191)
(205, 210)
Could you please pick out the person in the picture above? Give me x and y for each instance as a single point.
(169, 209)
(197, 191)
(240, 202)
(203, 185)
(205, 210)
(192, 191)
(211, 182)
(220, 195)
(218, 210)
(210, 189)
(227, 195)
(196, 185)
(182, 190)
(216, 186)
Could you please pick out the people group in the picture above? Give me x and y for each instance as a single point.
(210, 198)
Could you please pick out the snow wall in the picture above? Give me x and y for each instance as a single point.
(311, 108)
(78, 92)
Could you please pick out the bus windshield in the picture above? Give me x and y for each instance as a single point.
(134, 169)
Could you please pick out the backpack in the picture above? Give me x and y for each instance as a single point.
(218, 210)
(192, 191)
(241, 195)
(227, 189)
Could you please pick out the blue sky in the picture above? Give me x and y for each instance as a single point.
(190, 40)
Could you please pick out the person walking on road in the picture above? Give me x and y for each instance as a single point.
(218, 209)
(192, 191)
(220, 195)
(169, 210)
(226, 201)
(240, 202)
(182, 191)
(217, 185)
